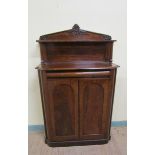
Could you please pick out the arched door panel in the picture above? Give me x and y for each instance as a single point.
(94, 108)
(63, 107)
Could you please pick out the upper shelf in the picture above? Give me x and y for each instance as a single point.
(74, 41)
(75, 35)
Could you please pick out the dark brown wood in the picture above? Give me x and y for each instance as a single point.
(75, 34)
(42, 99)
(75, 45)
(75, 52)
(77, 80)
(79, 74)
(77, 142)
(94, 108)
(82, 66)
(63, 104)
(113, 91)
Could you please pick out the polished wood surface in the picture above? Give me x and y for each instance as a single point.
(94, 108)
(75, 45)
(75, 52)
(74, 66)
(79, 74)
(77, 81)
(63, 104)
(73, 41)
(75, 35)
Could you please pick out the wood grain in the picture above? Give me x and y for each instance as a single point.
(94, 108)
(74, 66)
(77, 86)
(63, 104)
(79, 74)
(74, 34)
(75, 45)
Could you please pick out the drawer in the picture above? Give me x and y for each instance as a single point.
(78, 74)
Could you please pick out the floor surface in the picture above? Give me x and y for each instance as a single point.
(116, 146)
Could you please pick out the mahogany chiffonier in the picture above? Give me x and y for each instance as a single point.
(77, 81)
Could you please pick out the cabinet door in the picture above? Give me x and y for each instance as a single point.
(95, 105)
(63, 107)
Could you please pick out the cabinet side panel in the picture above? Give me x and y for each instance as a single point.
(114, 72)
(43, 52)
(42, 99)
(45, 105)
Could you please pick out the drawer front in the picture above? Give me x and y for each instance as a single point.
(78, 74)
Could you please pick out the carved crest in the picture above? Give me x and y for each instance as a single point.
(75, 34)
(76, 29)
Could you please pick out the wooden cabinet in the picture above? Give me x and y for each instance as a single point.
(77, 80)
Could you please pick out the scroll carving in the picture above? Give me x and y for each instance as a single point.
(43, 37)
(107, 37)
(75, 33)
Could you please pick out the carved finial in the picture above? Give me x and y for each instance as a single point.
(76, 29)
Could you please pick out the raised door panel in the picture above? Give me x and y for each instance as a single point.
(95, 105)
(63, 104)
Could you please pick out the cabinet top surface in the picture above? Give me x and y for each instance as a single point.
(78, 66)
(75, 35)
